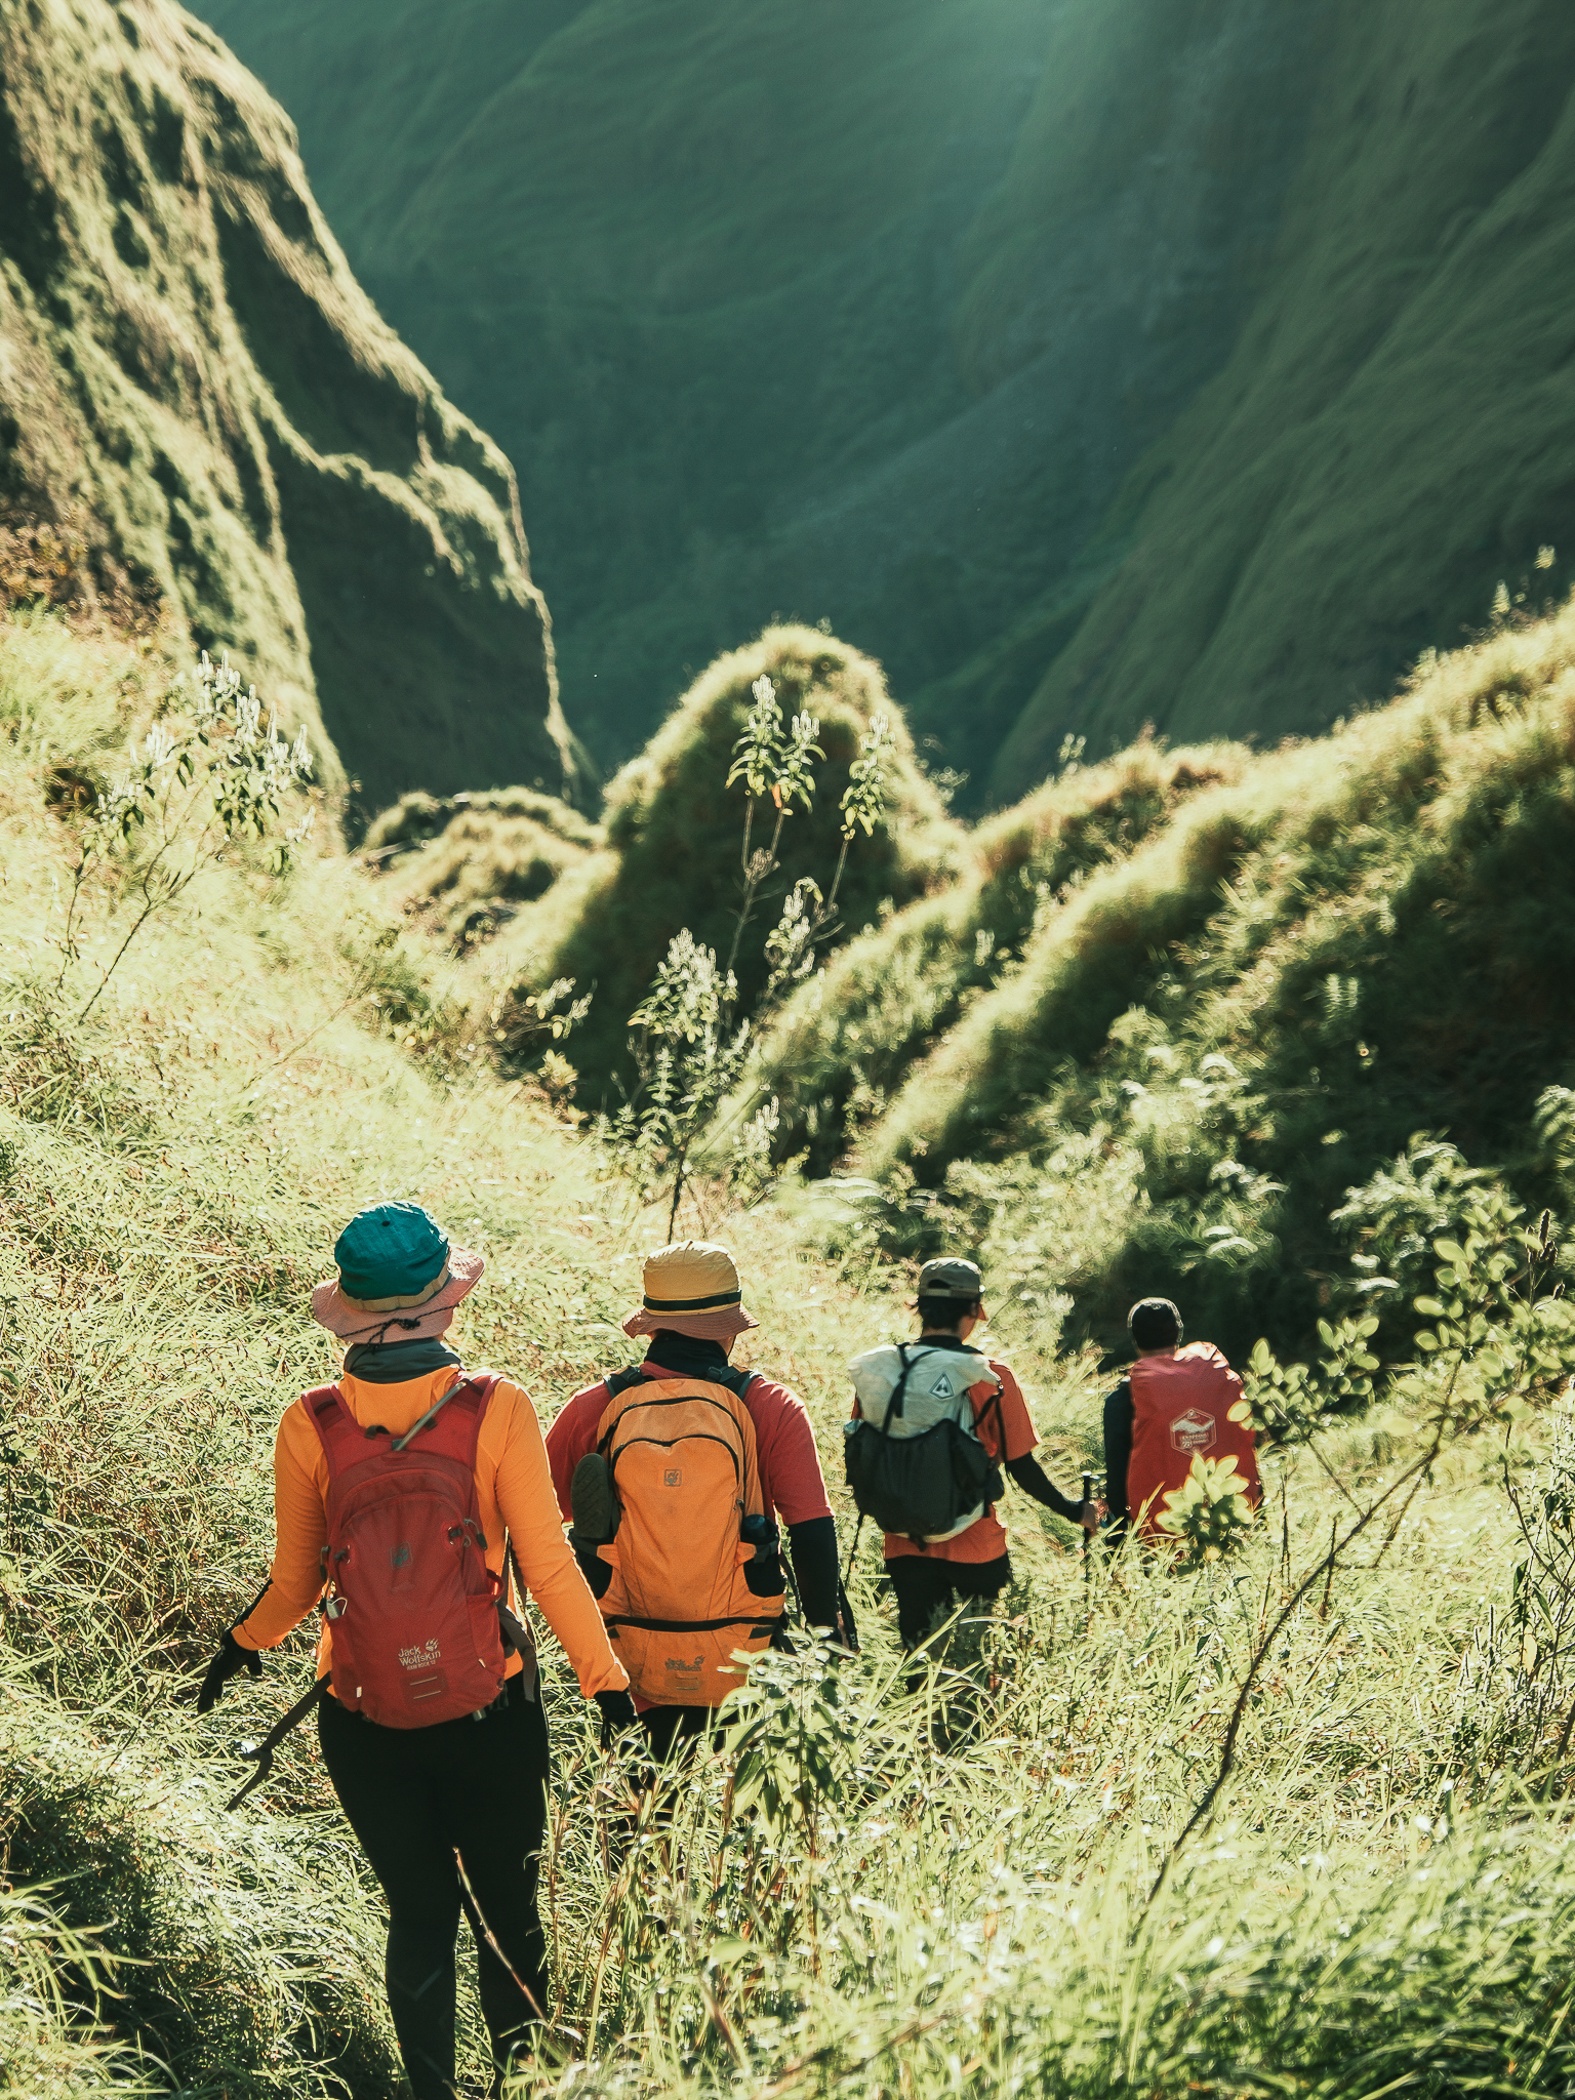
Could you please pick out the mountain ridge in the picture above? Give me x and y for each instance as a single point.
(196, 392)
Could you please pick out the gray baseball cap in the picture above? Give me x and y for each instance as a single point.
(951, 1277)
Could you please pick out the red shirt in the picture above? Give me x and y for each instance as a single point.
(985, 1538)
(792, 1486)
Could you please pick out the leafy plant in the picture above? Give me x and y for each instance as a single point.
(773, 759)
(690, 1045)
(188, 795)
(1209, 1514)
(689, 1053)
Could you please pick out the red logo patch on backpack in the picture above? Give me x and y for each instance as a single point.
(411, 1604)
(1194, 1431)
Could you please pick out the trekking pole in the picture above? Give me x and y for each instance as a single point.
(1088, 1543)
(858, 1533)
(261, 1754)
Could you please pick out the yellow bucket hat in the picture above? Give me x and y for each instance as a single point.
(691, 1288)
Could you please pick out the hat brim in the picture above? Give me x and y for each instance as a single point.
(724, 1324)
(417, 1323)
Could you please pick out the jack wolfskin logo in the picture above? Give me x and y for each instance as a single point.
(673, 1477)
(687, 1669)
(421, 1658)
(1194, 1431)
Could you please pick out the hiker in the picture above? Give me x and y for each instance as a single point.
(424, 1493)
(935, 1420)
(674, 1474)
(1171, 1407)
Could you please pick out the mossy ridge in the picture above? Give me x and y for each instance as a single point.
(848, 1038)
(1369, 936)
(482, 869)
(201, 400)
(673, 829)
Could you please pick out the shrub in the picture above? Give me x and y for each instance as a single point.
(673, 825)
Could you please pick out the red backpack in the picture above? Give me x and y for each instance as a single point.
(1180, 1411)
(413, 1610)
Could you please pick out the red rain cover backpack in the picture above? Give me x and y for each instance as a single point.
(412, 1607)
(1180, 1409)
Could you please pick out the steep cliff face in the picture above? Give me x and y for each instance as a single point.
(1087, 361)
(195, 391)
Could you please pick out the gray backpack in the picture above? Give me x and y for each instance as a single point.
(915, 1464)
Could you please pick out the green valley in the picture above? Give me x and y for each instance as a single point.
(1052, 515)
(1087, 364)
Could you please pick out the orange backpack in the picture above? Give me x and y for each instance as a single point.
(681, 1452)
(1180, 1411)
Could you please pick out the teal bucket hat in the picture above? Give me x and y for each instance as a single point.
(394, 1261)
(393, 1255)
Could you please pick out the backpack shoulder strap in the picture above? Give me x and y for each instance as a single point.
(471, 1392)
(894, 1404)
(618, 1382)
(994, 1402)
(338, 1431)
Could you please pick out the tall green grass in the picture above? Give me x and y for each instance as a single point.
(827, 1902)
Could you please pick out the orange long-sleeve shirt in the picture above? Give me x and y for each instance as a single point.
(514, 1494)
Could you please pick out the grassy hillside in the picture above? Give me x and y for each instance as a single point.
(202, 416)
(1089, 364)
(1334, 979)
(673, 854)
(852, 1036)
(1387, 1888)
(465, 864)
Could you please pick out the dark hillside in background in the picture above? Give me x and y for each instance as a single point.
(1087, 361)
(202, 415)
(1395, 433)
(859, 313)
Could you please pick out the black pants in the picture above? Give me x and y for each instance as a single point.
(666, 1726)
(417, 1796)
(929, 1591)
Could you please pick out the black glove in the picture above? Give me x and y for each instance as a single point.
(230, 1660)
(617, 1714)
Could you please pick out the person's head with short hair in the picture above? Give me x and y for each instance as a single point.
(1154, 1325)
(951, 1296)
